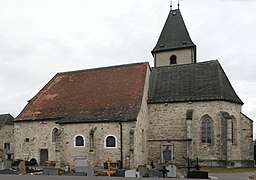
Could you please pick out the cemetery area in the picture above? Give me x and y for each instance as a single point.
(108, 168)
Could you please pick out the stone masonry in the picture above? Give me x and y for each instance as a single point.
(7, 132)
(168, 124)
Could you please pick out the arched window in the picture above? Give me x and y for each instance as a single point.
(54, 134)
(207, 130)
(79, 141)
(110, 141)
(173, 59)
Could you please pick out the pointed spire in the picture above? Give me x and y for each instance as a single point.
(174, 34)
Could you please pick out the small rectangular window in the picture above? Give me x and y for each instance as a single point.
(91, 141)
(143, 140)
(9, 156)
(7, 146)
(189, 115)
(27, 140)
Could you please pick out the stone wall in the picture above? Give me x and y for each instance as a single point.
(99, 154)
(246, 139)
(32, 136)
(6, 134)
(141, 131)
(169, 124)
(39, 136)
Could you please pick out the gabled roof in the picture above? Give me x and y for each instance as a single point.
(6, 119)
(174, 34)
(94, 95)
(191, 82)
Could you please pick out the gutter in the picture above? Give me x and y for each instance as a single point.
(121, 144)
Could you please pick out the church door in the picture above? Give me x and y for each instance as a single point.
(43, 157)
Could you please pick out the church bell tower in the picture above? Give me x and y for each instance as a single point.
(174, 45)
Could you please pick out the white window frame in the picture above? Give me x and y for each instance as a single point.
(105, 141)
(75, 141)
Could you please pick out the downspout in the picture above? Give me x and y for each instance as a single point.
(121, 144)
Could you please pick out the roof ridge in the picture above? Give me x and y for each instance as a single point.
(105, 67)
(5, 114)
(191, 64)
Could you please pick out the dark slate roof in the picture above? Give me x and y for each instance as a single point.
(191, 82)
(6, 119)
(174, 34)
(94, 95)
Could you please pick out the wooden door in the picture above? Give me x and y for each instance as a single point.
(43, 157)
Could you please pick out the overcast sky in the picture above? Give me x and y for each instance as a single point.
(39, 38)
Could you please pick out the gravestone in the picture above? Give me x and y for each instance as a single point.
(143, 170)
(171, 171)
(120, 173)
(132, 173)
(198, 174)
(81, 166)
(154, 173)
(50, 171)
(81, 161)
(1, 165)
(7, 164)
(86, 170)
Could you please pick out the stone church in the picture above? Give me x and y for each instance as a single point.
(135, 114)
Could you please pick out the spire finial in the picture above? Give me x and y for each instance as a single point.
(171, 4)
(178, 4)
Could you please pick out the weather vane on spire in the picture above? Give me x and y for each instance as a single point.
(178, 4)
(171, 4)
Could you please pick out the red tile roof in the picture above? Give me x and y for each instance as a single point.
(102, 94)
